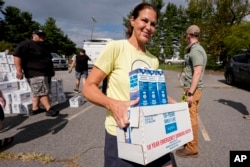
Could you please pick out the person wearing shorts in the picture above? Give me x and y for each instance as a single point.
(80, 62)
(83, 74)
(40, 86)
(32, 59)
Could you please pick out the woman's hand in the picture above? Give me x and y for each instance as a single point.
(120, 111)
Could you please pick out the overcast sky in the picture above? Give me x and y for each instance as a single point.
(73, 17)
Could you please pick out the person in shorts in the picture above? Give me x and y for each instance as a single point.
(32, 59)
(80, 62)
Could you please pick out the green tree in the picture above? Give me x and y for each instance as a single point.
(238, 39)
(5, 46)
(13, 32)
(17, 26)
(216, 17)
(173, 24)
(61, 43)
(155, 44)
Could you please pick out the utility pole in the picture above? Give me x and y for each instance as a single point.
(93, 23)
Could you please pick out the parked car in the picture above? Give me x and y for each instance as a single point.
(238, 69)
(59, 62)
(175, 60)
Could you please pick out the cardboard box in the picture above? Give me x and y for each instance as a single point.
(21, 96)
(12, 68)
(154, 132)
(61, 98)
(59, 83)
(53, 83)
(10, 59)
(52, 98)
(22, 108)
(24, 85)
(76, 101)
(2, 76)
(53, 90)
(60, 90)
(3, 58)
(8, 86)
(11, 76)
(8, 108)
(4, 67)
(7, 97)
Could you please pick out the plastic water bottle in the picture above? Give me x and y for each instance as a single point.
(183, 97)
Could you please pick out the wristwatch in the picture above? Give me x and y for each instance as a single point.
(190, 94)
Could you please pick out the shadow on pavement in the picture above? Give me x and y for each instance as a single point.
(38, 129)
(69, 94)
(61, 106)
(11, 122)
(241, 108)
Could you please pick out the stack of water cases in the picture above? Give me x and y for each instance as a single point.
(148, 85)
(17, 92)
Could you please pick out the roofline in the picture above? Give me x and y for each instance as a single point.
(96, 39)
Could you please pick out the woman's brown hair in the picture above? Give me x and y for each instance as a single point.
(135, 14)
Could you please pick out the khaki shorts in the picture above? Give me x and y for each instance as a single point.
(40, 86)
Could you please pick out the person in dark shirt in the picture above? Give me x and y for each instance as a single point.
(81, 68)
(33, 60)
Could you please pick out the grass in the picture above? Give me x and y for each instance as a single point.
(42, 158)
(27, 157)
(180, 67)
(171, 67)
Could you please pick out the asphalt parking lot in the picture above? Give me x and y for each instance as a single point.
(76, 137)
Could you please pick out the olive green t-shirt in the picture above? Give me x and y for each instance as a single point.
(197, 56)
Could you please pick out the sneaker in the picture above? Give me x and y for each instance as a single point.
(185, 153)
(247, 116)
(52, 113)
(76, 90)
(39, 110)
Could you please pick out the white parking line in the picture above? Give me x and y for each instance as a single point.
(200, 123)
(70, 118)
(203, 130)
(180, 79)
(73, 116)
